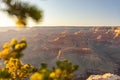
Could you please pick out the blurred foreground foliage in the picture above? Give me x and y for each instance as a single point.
(14, 69)
(22, 10)
(11, 52)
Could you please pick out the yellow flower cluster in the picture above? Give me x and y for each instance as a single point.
(64, 71)
(13, 49)
(25, 70)
(10, 54)
(13, 42)
(37, 76)
(5, 53)
(13, 64)
(16, 70)
(58, 74)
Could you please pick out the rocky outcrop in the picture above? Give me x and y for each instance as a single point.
(106, 76)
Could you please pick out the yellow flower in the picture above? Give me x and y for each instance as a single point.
(5, 53)
(52, 75)
(58, 71)
(13, 64)
(43, 70)
(36, 76)
(13, 42)
(22, 45)
(17, 46)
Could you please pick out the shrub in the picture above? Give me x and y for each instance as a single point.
(16, 70)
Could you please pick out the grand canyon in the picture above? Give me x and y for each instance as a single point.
(95, 49)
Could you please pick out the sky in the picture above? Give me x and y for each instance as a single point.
(73, 13)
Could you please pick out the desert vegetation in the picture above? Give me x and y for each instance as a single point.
(15, 69)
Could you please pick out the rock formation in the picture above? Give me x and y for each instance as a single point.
(106, 76)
